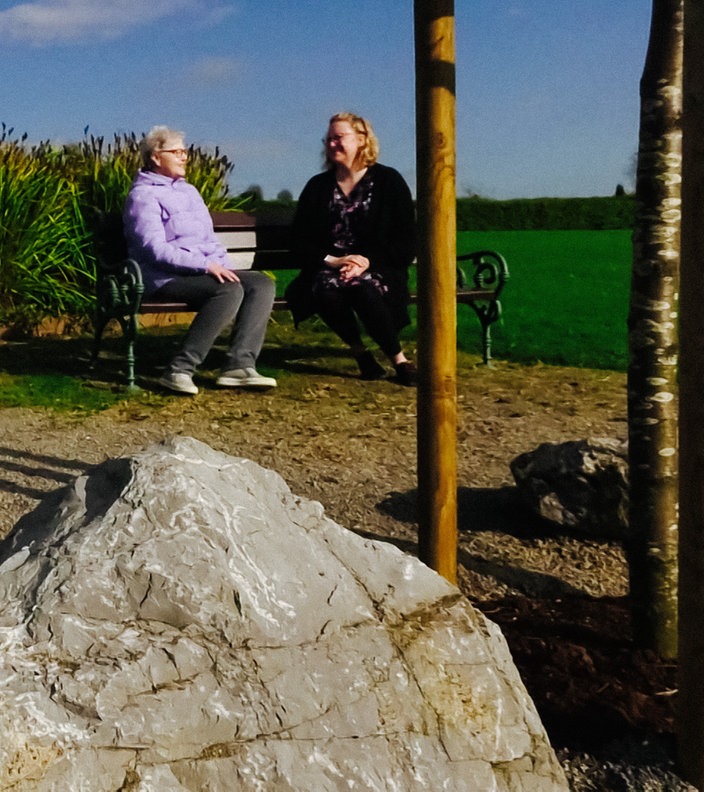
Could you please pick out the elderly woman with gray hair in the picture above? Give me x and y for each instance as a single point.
(169, 231)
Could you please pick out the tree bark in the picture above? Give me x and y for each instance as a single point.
(690, 699)
(651, 544)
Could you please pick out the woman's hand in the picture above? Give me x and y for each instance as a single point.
(352, 266)
(220, 273)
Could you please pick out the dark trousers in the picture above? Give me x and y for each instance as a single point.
(340, 309)
(246, 304)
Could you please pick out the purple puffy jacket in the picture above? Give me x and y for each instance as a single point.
(169, 230)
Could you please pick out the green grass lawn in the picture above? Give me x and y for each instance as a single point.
(566, 302)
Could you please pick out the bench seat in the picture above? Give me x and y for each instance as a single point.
(261, 242)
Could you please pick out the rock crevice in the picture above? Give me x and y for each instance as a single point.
(178, 620)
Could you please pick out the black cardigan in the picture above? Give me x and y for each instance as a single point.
(386, 238)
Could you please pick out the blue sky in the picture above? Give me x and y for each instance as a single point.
(547, 90)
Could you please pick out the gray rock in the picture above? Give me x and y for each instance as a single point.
(179, 620)
(581, 485)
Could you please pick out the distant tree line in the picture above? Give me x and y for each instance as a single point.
(548, 214)
(518, 214)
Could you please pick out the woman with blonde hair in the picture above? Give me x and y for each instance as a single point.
(354, 239)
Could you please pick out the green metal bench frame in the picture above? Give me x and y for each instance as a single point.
(259, 242)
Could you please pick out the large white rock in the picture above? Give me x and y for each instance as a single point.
(178, 620)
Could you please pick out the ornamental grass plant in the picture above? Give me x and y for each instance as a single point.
(44, 264)
(49, 199)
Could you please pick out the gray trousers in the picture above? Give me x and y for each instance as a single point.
(246, 304)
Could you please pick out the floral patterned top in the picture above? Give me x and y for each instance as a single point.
(347, 211)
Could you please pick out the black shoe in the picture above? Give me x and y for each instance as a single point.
(406, 373)
(369, 368)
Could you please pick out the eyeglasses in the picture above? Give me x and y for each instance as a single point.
(337, 138)
(179, 152)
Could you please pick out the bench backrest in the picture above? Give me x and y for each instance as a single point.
(252, 241)
(261, 241)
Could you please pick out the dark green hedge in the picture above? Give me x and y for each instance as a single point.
(522, 214)
(525, 214)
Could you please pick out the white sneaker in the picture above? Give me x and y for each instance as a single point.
(244, 378)
(178, 381)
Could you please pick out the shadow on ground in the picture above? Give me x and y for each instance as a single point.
(493, 509)
(72, 357)
(36, 467)
(489, 510)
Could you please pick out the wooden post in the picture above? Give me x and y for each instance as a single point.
(437, 311)
(690, 696)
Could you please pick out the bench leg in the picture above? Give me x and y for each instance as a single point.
(486, 343)
(130, 329)
(487, 313)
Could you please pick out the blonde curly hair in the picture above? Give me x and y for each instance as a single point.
(368, 152)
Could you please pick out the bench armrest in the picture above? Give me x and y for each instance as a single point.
(489, 272)
(119, 288)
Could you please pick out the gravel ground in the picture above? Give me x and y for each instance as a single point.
(352, 446)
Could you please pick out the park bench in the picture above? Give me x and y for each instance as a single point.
(260, 241)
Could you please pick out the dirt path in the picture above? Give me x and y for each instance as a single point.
(352, 446)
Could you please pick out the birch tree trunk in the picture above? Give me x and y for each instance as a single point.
(690, 699)
(651, 544)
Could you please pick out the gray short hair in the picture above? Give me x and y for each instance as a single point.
(154, 140)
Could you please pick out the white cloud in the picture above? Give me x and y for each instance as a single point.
(214, 71)
(70, 21)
